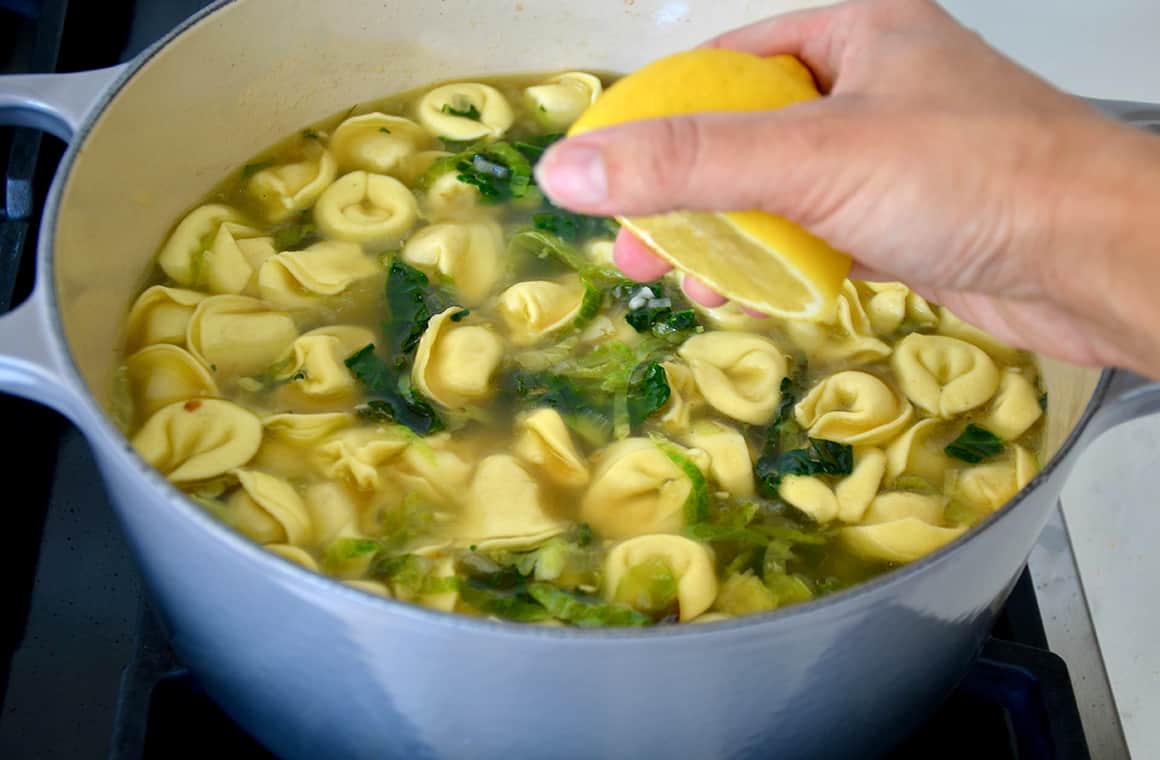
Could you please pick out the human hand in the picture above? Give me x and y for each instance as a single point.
(934, 160)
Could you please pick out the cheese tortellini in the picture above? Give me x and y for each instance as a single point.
(691, 564)
(468, 255)
(287, 188)
(161, 315)
(465, 111)
(506, 507)
(944, 376)
(543, 441)
(379, 352)
(238, 335)
(455, 361)
(853, 407)
(738, 374)
(637, 489)
(214, 247)
(375, 210)
(298, 279)
(559, 101)
(199, 439)
(848, 338)
(164, 374)
(535, 309)
(376, 142)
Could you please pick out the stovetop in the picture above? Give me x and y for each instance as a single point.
(86, 670)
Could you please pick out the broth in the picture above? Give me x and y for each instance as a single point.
(377, 350)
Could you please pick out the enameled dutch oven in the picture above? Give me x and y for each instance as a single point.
(316, 669)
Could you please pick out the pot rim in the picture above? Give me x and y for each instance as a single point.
(111, 439)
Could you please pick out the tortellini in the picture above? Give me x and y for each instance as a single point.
(853, 407)
(432, 471)
(543, 441)
(684, 398)
(559, 101)
(199, 439)
(986, 487)
(269, 510)
(534, 309)
(944, 376)
(290, 436)
(163, 374)
(898, 541)
(730, 465)
(294, 554)
(898, 505)
(469, 255)
(506, 507)
(238, 335)
(848, 338)
(1015, 408)
(376, 142)
(375, 210)
(738, 374)
(160, 315)
(455, 362)
(917, 452)
(465, 111)
(355, 455)
(297, 279)
(214, 247)
(637, 489)
(288, 188)
(850, 497)
(889, 305)
(332, 511)
(316, 367)
(691, 563)
(447, 199)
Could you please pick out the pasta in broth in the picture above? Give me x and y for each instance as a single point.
(380, 352)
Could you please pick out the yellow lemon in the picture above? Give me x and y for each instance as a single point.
(758, 259)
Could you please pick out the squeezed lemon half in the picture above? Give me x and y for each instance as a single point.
(758, 259)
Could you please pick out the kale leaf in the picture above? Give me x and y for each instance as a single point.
(407, 407)
(582, 610)
(647, 394)
(974, 445)
(820, 457)
(471, 112)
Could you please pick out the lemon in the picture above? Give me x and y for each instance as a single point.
(758, 259)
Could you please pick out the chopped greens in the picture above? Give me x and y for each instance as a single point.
(410, 309)
(974, 445)
(696, 506)
(471, 112)
(820, 457)
(249, 170)
(295, 234)
(647, 394)
(583, 610)
(405, 407)
(571, 227)
(651, 310)
(649, 587)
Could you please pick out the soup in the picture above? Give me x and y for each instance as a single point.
(377, 350)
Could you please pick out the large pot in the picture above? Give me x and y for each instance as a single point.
(313, 668)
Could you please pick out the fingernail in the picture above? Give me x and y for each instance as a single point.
(573, 174)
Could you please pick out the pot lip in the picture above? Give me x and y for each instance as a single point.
(100, 427)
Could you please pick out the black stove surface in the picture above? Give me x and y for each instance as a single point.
(85, 669)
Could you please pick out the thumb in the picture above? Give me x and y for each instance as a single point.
(777, 161)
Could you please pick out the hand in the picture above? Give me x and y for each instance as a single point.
(934, 160)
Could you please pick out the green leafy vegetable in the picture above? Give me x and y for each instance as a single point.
(820, 457)
(471, 112)
(581, 610)
(384, 130)
(1043, 402)
(295, 234)
(696, 507)
(510, 604)
(571, 227)
(744, 594)
(649, 587)
(407, 302)
(407, 407)
(534, 147)
(974, 445)
(310, 134)
(647, 394)
(651, 310)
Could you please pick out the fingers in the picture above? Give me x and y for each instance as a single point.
(637, 260)
(702, 293)
(810, 35)
(703, 162)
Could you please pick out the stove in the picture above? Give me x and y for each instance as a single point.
(85, 669)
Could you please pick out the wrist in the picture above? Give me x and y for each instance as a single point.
(1101, 259)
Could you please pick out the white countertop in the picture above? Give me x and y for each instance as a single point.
(1104, 49)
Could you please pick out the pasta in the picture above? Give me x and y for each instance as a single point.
(379, 352)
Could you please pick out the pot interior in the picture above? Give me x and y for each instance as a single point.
(254, 71)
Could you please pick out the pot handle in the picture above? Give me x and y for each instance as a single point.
(55, 103)
(1127, 397)
(32, 362)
